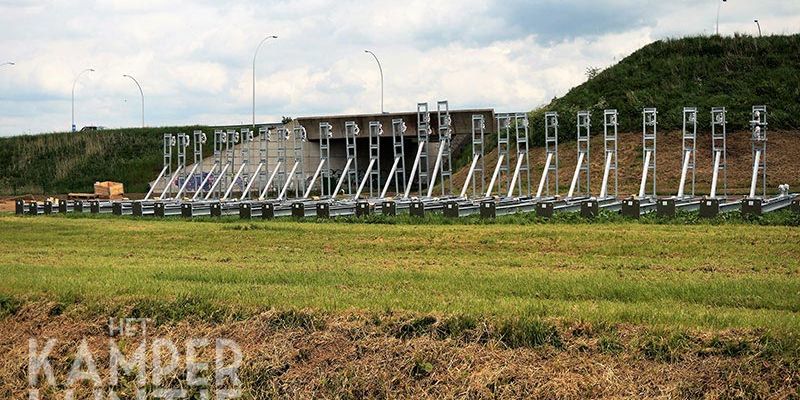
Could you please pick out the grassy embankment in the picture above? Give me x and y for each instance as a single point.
(704, 277)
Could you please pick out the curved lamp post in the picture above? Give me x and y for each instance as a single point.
(719, 5)
(381, 71)
(73, 94)
(254, 74)
(140, 92)
(759, 27)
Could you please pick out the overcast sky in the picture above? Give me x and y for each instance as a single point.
(194, 58)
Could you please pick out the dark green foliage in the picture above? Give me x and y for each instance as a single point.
(529, 331)
(73, 162)
(734, 72)
(8, 305)
(297, 319)
(415, 327)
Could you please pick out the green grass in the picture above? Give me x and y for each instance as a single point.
(707, 71)
(664, 276)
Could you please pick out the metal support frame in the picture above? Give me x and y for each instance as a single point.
(521, 126)
(503, 138)
(375, 134)
(649, 131)
(610, 126)
(719, 152)
(264, 137)
(689, 146)
(282, 175)
(423, 136)
(445, 131)
(414, 168)
(199, 139)
(758, 143)
(167, 192)
(246, 139)
(398, 130)
(262, 163)
(551, 150)
(182, 146)
(167, 142)
(232, 137)
(299, 177)
(325, 133)
(582, 167)
(478, 153)
(351, 131)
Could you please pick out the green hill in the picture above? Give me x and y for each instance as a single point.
(64, 162)
(734, 72)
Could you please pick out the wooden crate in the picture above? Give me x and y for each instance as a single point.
(108, 190)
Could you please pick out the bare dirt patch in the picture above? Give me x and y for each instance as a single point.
(355, 355)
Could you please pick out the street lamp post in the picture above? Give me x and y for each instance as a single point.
(140, 92)
(759, 27)
(719, 5)
(73, 94)
(254, 74)
(381, 71)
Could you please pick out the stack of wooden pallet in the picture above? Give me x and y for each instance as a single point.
(109, 190)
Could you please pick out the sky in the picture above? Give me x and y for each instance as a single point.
(194, 59)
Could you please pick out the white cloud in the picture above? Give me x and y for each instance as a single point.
(194, 58)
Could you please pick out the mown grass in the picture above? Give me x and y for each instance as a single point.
(685, 277)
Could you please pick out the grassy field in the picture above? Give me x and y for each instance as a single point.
(708, 277)
(422, 309)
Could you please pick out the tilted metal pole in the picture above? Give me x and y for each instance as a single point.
(269, 181)
(391, 176)
(469, 176)
(644, 173)
(575, 176)
(436, 166)
(161, 175)
(288, 181)
(495, 174)
(314, 179)
(514, 178)
(544, 175)
(414, 168)
(364, 179)
(341, 178)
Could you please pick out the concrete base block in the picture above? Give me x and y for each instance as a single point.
(752, 207)
(631, 208)
(267, 211)
(187, 210)
(417, 209)
(216, 209)
(48, 207)
(158, 209)
(544, 209)
(389, 208)
(245, 211)
(323, 210)
(451, 210)
(590, 208)
(488, 209)
(665, 208)
(298, 210)
(709, 208)
(363, 209)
